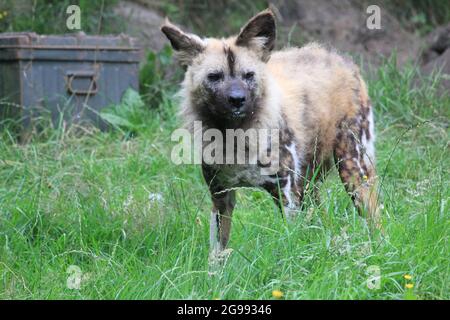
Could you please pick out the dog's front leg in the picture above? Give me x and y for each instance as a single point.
(220, 225)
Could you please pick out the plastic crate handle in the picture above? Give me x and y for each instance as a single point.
(72, 75)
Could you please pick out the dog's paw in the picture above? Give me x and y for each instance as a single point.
(218, 259)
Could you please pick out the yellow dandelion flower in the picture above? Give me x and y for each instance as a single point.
(409, 286)
(407, 276)
(277, 294)
(365, 178)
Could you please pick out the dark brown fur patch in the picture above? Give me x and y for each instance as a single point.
(231, 60)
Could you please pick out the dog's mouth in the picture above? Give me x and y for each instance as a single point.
(238, 114)
(230, 113)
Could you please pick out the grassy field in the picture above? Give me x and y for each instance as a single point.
(115, 211)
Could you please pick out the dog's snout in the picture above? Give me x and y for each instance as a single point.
(236, 100)
(236, 96)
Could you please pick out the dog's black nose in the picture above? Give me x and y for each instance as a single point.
(236, 100)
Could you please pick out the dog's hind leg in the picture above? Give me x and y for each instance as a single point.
(355, 160)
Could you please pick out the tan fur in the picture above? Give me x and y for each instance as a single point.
(328, 81)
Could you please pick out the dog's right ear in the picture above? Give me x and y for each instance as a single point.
(187, 46)
(259, 34)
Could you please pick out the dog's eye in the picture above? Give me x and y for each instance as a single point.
(215, 76)
(249, 75)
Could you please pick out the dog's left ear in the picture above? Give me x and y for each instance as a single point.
(259, 34)
(187, 46)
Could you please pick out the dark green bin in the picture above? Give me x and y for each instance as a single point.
(72, 75)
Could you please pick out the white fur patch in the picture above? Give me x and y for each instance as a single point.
(369, 144)
(289, 208)
(295, 156)
(214, 232)
(287, 192)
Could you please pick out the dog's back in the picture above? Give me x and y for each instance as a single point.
(319, 89)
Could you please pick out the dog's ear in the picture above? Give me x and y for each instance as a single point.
(259, 34)
(187, 46)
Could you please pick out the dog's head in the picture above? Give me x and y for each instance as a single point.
(225, 77)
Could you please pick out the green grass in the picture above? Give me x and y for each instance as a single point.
(137, 225)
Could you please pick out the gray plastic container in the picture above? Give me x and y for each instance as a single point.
(72, 75)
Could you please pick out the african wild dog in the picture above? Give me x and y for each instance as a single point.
(315, 97)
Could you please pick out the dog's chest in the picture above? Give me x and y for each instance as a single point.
(241, 176)
(287, 162)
